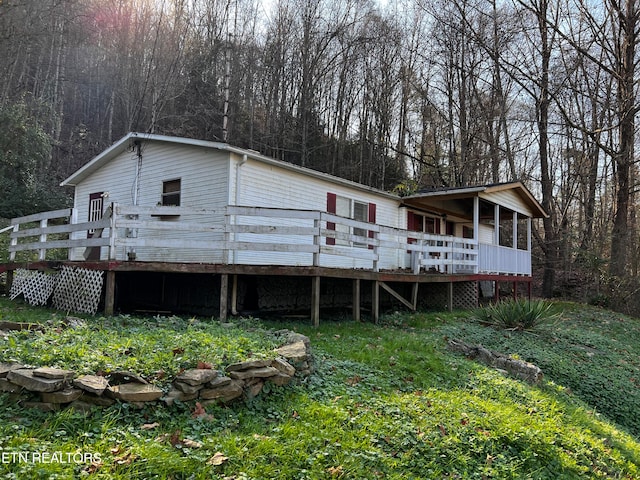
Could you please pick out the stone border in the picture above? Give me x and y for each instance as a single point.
(51, 389)
(518, 368)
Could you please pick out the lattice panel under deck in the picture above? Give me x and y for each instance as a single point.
(35, 286)
(78, 290)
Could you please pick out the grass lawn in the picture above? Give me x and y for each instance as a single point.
(386, 401)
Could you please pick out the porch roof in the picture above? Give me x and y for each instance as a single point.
(427, 198)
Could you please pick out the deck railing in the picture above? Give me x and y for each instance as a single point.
(240, 235)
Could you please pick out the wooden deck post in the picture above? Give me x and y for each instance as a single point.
(110, 293)
(224, 296)
(356, 300)
(315, 301)
(375, 301)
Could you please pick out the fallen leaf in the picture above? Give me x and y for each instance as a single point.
(177, 351)
(204, 366)
(175, 438)
(92, 468)
(217, 459)
(126, 459)
(191, 443)
(149, 426)
(442, 430)
(198, 411)
(354, 380)
(335, 471)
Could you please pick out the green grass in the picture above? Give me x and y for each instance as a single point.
(386, 401)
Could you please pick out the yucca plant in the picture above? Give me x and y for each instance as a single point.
(518, 314)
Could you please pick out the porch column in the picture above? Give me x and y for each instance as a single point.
(476, 230)
(496, 227)
(529, 234)
(515, 230)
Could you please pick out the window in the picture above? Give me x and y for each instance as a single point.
(423, 223)
(349, 208)
(360, 213)
(171, 193)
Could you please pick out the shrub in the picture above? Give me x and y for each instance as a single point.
(518, 314)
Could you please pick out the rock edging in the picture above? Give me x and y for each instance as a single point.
(51, 389)
(518, 368)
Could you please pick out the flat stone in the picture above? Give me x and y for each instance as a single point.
(197, 376)
(54, 373)
(92, 383)
(219, 382)
(263, 372)
(125, 377)
(295, 352)
(135, 392)
(98, 401)
(43, 406)
(225, 393)
(234, 367)
(254, 389)
(82, 406)
(67, 395)
(186, 388)
(7, 387)
(5, 368)
(24, 377)
(176, 395)
(19, 326)
(284, 367)
(280, 379)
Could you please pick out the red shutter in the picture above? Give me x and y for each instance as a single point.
(331, 208)
(438, 228)
(372, 219)
(411, 226)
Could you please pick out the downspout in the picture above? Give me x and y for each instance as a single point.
(236, 199)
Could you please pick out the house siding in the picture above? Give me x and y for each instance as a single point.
(508, 199)
(271, 186)
(203, 174)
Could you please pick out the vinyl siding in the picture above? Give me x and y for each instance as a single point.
(270, 186)
(203, 174)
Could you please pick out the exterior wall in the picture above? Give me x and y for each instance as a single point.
(258, 184)
(203, 174)
(508, 199)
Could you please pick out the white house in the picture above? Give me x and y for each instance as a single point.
(153, 202)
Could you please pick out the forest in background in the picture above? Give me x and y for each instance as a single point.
(398, 95)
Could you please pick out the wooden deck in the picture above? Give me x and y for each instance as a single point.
(260, 242)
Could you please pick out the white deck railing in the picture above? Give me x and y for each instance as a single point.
(245, 235)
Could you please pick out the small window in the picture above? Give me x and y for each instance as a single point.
(361, 214)
(171, 193)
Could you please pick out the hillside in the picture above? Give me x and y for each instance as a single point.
(385, 401)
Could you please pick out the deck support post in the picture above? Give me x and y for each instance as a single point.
(9, 280)
(234, 296)
(375, 301)
(110, 293)
(414, 295)
(224, 296)
(315, 301)
(356, 300)
(450, 296)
